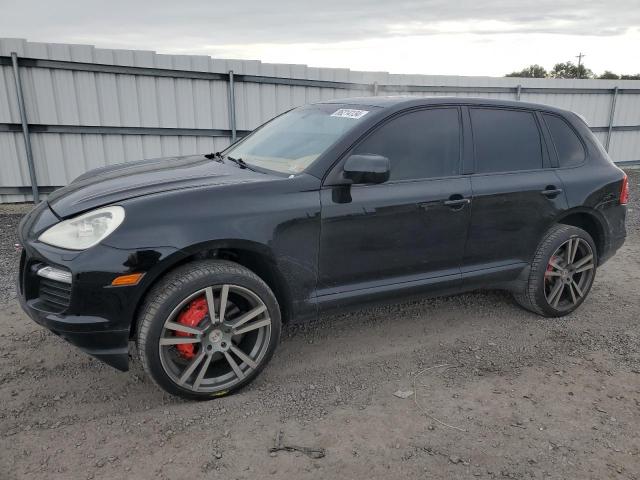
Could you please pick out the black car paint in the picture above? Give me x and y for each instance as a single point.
(324, 245)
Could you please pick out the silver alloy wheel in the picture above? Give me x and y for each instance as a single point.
(228, 343)
(569, 274)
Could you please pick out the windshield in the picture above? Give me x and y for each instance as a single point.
(291, 142)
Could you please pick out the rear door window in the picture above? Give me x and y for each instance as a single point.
(505, 140)
(568, 146)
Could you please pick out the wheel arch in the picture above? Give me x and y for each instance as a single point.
(588, 220)
(252, 255)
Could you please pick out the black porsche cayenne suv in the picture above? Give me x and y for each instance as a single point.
(200, 259)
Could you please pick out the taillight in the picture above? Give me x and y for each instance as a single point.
(624, 191)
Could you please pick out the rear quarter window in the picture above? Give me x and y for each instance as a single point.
(505, 140)
(568, 146)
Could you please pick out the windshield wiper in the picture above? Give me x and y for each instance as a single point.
(217, 156)
(241, 163)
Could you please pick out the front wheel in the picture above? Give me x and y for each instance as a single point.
(562, 272)
(208, 329)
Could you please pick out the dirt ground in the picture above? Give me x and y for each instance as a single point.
(499, 393)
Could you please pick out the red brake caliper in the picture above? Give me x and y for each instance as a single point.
(191, 317)
(549, 268)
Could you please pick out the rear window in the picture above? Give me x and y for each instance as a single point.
(568, 146)
(505, 140)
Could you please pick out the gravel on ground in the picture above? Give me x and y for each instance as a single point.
(498, 393)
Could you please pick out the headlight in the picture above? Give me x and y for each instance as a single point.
(84, 231)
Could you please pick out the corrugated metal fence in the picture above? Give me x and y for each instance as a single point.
(87, 107)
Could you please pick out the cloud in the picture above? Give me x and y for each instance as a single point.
(286, 21)
(404, 36)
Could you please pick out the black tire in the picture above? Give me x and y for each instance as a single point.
(535, 295)
(180, 286)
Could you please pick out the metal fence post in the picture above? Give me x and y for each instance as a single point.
(612, 113)
(232, 107)
(25, 128)
(518, 92)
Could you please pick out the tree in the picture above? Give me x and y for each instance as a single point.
(570, 70)
(532, 71)
(608, 75)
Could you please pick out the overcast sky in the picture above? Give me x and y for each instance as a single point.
(465, 37)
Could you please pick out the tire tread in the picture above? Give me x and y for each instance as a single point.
(172, 283)
(528, 297)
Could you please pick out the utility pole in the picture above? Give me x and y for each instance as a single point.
(579, 57)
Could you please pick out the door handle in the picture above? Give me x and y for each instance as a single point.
(457, 202)
(551, 191)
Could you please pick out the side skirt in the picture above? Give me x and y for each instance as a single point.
(508, 276)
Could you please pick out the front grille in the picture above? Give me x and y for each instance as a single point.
(56, 296)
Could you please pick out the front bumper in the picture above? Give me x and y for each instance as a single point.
(110, 346)
(89, 313)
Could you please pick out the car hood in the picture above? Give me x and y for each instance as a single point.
(112, 184)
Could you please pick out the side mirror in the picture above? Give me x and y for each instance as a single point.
(367, 168)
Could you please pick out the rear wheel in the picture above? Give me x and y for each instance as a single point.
(208, 329)
(562, 272)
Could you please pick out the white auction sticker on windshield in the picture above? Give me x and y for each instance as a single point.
(349, 113)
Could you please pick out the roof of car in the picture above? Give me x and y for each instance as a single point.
(408, 101)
